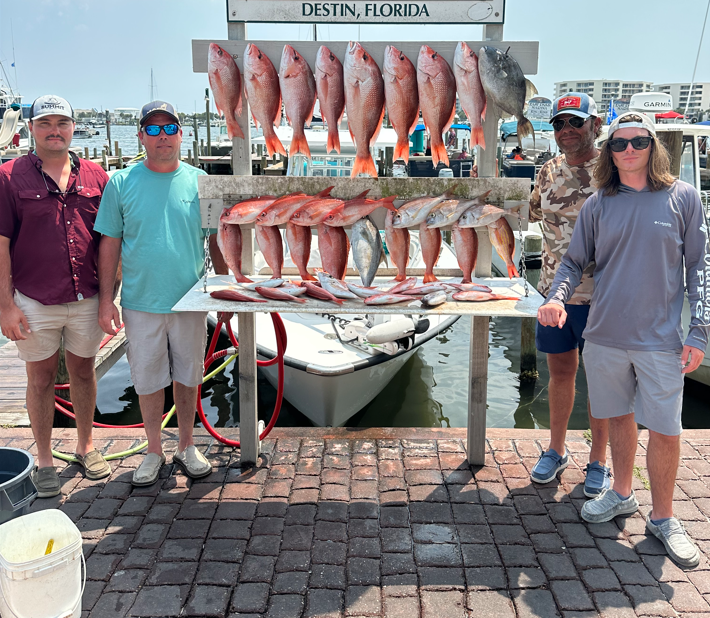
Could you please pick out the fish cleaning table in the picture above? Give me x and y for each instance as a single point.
(199, 299)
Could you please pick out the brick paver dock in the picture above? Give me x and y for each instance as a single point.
(380, 522)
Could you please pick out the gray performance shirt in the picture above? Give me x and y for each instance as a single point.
(638, 240)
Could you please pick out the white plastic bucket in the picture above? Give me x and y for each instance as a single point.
(35, 585)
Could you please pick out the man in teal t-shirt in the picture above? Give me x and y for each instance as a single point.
(150, 219)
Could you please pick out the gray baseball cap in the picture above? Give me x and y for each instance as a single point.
(644, 124)
(50, 105)
(157, 107)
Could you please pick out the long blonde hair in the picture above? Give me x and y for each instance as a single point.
(659, 175)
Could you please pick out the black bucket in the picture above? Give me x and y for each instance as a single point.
(17, 491)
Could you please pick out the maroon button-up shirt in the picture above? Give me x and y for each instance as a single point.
(53, 246)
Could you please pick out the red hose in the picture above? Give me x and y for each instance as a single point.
(281, 342)
(211, 357)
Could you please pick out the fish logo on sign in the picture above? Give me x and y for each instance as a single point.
(575, 102)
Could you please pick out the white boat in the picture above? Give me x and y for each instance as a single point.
(326, 378)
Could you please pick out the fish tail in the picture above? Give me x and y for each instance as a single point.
(512, 271)
(306, 276)
(429, 277)
(477, 137)
(364, 165)
(274, 145)
(525, 128)
(241, 278)
(333, 139)
(401, 149)
(438, 153)
(299, 144)
(400, 277)
(387, 202)
(233, 128)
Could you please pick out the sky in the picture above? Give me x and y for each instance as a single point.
(99, 54)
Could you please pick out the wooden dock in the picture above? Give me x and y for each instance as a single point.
(13, 378)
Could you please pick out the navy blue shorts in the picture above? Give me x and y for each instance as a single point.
(554, 340)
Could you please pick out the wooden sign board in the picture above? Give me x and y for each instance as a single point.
(525, 52)
(388, 12)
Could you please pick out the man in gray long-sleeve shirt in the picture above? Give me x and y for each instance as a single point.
(640, 227)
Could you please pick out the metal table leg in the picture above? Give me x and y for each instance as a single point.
(248, 420)
(478, 384)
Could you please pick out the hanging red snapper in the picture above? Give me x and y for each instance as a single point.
(504, 242)
(334, 246)
(365, 104)
(298, 88)
(401, 98)
(470, 89)
(261, 83)
(398, 246)
(229, 241)
(298, 238)
(437, 98)
(226, 85)
(466, 246)
(430, 241)
(331, 94)
(269, 240)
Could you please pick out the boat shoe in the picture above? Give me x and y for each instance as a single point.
(147, 473)
(547, 467)
(46, 480)
(597, 479)
(192, 462)
(95, 466)
(672, 534)
(608, 505)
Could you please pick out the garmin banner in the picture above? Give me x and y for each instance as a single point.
(368, 12)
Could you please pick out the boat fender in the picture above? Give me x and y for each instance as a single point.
(396, 329)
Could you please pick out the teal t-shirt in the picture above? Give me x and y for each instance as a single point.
(158, 217)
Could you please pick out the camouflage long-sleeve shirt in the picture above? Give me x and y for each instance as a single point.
(559, 194)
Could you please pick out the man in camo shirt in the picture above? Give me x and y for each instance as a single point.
(563, 185)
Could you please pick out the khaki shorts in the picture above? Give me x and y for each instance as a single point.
(647, 384)
(77, 323)
(165, 347)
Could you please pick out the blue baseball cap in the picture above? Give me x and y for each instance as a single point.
(574, 103)
(157, 107)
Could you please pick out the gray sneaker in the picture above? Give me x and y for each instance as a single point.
(607, 506)
(679, 547)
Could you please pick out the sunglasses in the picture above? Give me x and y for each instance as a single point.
(575, 122)
(75, 189)
(639, 143)
(154, 129)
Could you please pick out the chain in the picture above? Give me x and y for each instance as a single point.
(523, 269)
(208, 261)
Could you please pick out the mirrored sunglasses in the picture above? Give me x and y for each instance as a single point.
(620, 144)
(154, 129)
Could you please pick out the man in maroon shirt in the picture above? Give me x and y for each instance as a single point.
(48, 281)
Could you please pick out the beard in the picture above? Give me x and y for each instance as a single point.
(583, 146)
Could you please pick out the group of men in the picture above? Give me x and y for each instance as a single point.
(65, 228)
(621, 236)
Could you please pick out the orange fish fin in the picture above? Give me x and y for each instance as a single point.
(277, 120)
(310, 114)
(274, 145)
(233, 128)
(388, 202)
(400, 277)
(414, 125)
(512, 271)
(450, 121)
(438, 153)
(477, 138)
(483, 111)
(401, 150)
(352, 137)
(429, 278)
(241, 278)
(362, 195)
(308, 277)
(299, 144)
(364, 165)
(256, 122)
(325, 192)
(333, 140)
(373, 139)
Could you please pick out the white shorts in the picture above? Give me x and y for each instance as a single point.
(647, 384)
(77, 323)
(165, 347)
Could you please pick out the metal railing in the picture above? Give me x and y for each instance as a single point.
(705, 199)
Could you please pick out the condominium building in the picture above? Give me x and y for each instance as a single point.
(603, 90)
(699, 98)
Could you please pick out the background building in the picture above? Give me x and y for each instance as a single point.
(603, 90)
(699, 98)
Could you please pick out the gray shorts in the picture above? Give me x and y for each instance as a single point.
(649, 384)
(165, 347)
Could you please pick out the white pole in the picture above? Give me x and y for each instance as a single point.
(697, 57)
